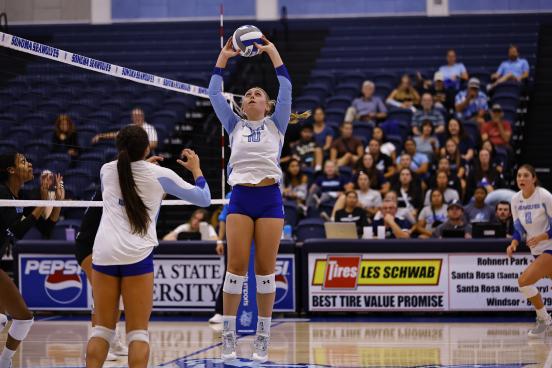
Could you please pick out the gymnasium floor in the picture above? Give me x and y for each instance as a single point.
(427, 342)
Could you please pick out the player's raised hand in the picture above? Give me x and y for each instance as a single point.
(267, 46)
(228, 50)
(192, 160)
(511, 250)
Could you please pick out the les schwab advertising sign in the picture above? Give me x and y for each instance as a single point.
(406, 282)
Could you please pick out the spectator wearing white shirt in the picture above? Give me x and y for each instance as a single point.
(192, 226)
(138, 119)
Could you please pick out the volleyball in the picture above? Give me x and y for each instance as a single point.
(244, 38)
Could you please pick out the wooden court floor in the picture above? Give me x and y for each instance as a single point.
(309, 344)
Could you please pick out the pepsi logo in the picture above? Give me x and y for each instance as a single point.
(63, 288)
(281, 278)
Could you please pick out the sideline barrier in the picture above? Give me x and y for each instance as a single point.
(321, 276)
(413, 275)
(187, 276)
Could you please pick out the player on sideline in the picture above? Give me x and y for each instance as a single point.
(122, 255)
(84, 243)
(15, 170)
(532, 214)
(255, 211)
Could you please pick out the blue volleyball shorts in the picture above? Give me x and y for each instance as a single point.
(257, 202)
(135, 269)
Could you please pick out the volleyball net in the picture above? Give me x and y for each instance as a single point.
(62, 109)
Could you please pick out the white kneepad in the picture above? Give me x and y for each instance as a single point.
(103, 333)
(266, 284)
(528, 291)
(20, 328)
(233, 284)
(138, 335)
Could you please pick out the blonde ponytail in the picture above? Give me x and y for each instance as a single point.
(295, 117)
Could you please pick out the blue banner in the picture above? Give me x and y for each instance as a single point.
(285, 283)
(246, 319)
(52, 282)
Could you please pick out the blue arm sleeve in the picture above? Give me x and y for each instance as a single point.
(224, 113)
(518, 230)
(283, 102)
(199, 194)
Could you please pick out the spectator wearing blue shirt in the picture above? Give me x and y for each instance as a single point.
(454, 73)
(368, 108)
(428, 112)
(326, 187)
(514, 69)
(472, 104)
(323, 134)
(420, 162)
(395, 226)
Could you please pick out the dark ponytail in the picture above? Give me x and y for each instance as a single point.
(6, 161)
(132, 142)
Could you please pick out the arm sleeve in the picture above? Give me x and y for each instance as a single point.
(45, 226)
(518, 228)
(283, 102)
(198, 194)
(547, 203)
(21, 225)
(224, 113)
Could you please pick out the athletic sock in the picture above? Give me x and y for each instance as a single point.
(7, 354)
(263, 326)
(229, 323)
(542, 314)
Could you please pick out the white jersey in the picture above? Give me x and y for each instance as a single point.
(256, 145)
(115, 244)
(532, 216)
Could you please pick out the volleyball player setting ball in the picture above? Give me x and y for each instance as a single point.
(255, 210)
(532, 214)
(122, 255)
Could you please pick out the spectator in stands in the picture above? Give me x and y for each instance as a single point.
(442, 98)
(442, 185)
(295, 183)
(453, 73)
(352, 212)
(386, 147)
(346, 150)
(471, 104)
(405, 95)
(192, 226)
(457, 164)
(444, 165)
(503, 216)
(395, 226)
(514, 69)
(455, 221)
(409, 192)
(484, 174)
(65, 137)
(327, 187)
(431, 216)
(419, 162)
(428, 112)
(427, 143)
(455, 131)
(377, 180)
(497, 130)
(305, 150)
(138, 118)
(369, 199)
(368, 108)
(489, 146)
(383, 162)
(478, 211)
(323, 134)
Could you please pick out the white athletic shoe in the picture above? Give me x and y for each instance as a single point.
(5, 363)
(111, 357)
(540, 329)
(228, 345)
(260, 348)
(217, 318)
(118, 347)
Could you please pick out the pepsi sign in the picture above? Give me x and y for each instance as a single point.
(50, 282)
(285, 283)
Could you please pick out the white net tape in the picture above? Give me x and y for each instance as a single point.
(40, 203)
